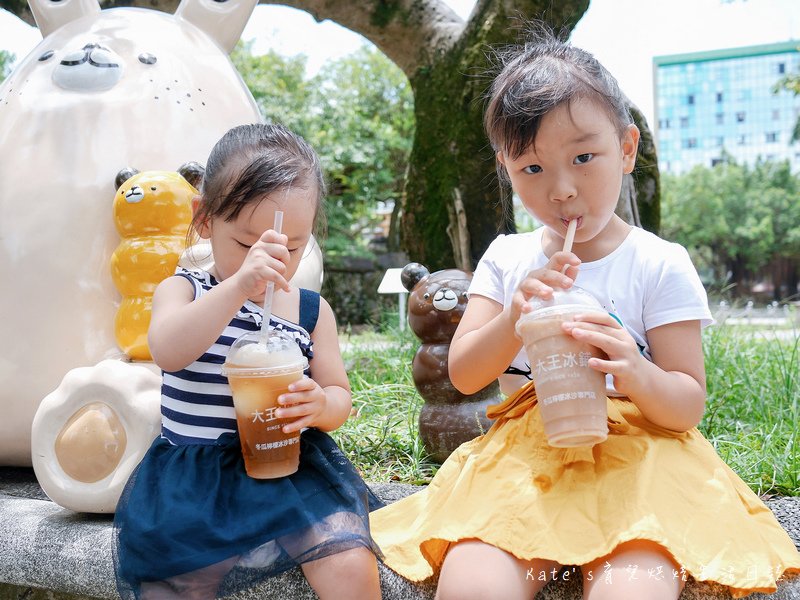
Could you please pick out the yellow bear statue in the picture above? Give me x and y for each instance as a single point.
(152, 212)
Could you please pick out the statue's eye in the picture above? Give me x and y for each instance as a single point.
(47, 55)
(153, 188)
(426, 296)
(147, 59)
(463, 294)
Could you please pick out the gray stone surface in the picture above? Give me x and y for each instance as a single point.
(46, 547)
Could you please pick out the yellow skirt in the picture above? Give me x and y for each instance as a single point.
(512, 490)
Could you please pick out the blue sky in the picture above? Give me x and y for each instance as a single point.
(623, 34)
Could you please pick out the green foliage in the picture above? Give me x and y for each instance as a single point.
(278, 85)
(364, 129)
(358, 114)
(734, 218)
(352, 295)
(6, 59)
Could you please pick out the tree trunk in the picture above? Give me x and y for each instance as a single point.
(646, 198)
(446, 62)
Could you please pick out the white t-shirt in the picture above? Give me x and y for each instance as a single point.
(646, 282)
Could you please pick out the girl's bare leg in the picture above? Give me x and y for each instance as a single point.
(635, 569)
(352, 574)
(474, 570)
(201, 584)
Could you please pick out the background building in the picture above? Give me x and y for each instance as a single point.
(723, 101)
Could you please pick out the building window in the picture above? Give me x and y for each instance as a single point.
(684, 121)
(781, 68)
(719, 97)
(663, 123)
(776, 114)
(690, 99)
(690, 143)
(772, 136)
(716, 161)
(720, 118)
(742, 140)
(720, 142)
(740, 117)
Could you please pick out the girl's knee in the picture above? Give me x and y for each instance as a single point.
(640, 569)
(355, 570)
(201, 584)
(475, 570)
(358, 562)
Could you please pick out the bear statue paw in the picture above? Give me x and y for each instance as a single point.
(89, 434)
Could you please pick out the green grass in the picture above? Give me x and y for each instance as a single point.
(382, 438)
(751, 416)
(753, 406)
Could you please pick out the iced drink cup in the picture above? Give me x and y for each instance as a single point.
(258, 373)
(571, 395)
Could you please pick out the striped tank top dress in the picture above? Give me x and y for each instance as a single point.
(189, 507)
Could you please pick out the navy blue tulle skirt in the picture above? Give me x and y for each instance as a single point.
(191, 510)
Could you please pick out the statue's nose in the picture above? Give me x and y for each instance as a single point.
(136, 194)
(92, 68)
(445, 299)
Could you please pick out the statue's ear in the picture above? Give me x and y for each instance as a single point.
(52, 14)
(222, 20)
(193, 173)
(412, 274)
(123, 176)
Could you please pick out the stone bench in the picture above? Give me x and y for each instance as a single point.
(47, 552)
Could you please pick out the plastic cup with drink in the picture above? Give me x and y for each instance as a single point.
(258, 373)
(571, 395)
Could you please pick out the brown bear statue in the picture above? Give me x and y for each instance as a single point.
(448, 418)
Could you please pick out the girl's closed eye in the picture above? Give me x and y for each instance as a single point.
(532, 169)
(582, 159)
(246, 246)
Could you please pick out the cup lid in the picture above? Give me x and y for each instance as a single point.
(570, 300)
(252, 354)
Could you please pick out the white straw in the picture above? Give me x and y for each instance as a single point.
(270, 286)
(573, 225)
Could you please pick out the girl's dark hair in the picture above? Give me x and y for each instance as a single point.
(252, 161)
(536, 76)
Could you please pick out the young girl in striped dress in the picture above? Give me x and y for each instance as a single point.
(191, 524)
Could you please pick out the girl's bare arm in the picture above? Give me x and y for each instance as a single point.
(671, 390)
(483, 345)
(182, 329)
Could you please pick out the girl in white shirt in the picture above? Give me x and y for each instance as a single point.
(651, 504)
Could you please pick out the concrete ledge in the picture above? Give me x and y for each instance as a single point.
(47, 552)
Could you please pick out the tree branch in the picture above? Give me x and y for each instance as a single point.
(19, 8)
(409, 32)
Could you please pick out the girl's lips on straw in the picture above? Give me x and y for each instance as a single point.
(566, 222)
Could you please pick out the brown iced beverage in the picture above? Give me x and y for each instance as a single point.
(258, 374)
(571, 395)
